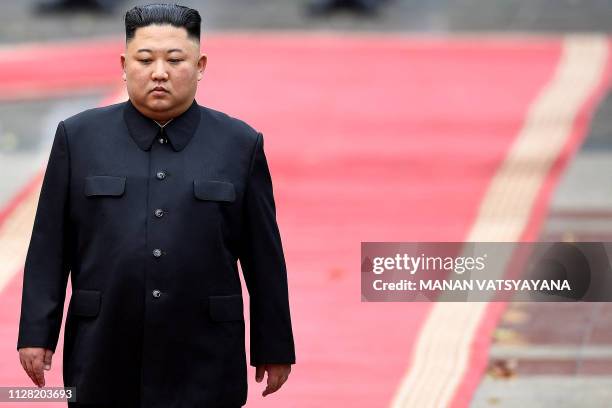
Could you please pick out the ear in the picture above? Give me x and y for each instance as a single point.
(122, 57)
(202, 65)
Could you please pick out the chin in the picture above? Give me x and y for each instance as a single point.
(160, 104)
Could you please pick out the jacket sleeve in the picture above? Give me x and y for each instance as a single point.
(46, 266)
(264, 270)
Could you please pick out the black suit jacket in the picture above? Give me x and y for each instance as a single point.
(150, 225)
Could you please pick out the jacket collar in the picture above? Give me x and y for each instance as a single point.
(179, 130)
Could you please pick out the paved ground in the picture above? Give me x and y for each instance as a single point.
(545, 355)
(560, 355)
(25, 143)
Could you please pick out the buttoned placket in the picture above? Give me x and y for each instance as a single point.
(162, 167)
(167, 175)
(159, 212)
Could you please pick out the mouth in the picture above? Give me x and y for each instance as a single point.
(159, 89)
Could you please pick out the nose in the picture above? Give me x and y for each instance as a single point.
(159, 71)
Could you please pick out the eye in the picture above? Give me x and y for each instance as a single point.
(145, 61)
(175, 60)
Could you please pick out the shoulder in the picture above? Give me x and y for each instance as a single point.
(229, 125)
(94, 117)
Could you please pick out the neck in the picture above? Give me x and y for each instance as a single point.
(162, 122)
(162, 117)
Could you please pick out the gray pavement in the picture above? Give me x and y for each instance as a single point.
(560, 354)
(546, 392)
(19, 24)
(26, 133)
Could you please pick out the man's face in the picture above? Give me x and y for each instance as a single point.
(162, 57)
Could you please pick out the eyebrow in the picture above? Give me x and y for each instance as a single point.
(170, 50)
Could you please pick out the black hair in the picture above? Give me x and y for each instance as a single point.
(173, 14)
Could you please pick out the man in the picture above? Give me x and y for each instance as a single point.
(69, 6)
(320, 7)
(149, 204)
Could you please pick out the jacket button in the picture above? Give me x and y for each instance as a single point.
(157, 253)
(162, 140)
(159, 213)
(156, 293)
(161, 175)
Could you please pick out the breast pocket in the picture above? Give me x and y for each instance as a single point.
(104, 186)
(213, 190)
(213, 211)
